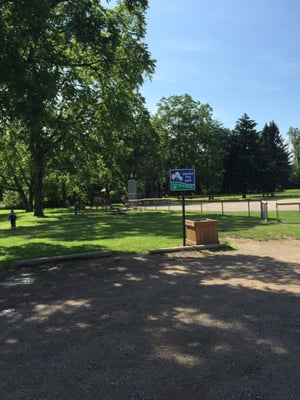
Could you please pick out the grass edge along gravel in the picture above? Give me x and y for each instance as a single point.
(62, 233)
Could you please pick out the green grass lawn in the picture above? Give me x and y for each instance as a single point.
(61, 232)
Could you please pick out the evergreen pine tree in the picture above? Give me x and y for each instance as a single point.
(275, 162)
(241, 167)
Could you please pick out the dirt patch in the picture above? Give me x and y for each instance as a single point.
(196, 325)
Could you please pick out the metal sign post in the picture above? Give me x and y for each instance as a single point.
(182, 180)
(183, 219)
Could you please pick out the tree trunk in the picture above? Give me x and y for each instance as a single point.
(37, 168)
(38, 192)
(64, 193)
(24, 200)
(31, 195)
(22, 193)
(37, 174)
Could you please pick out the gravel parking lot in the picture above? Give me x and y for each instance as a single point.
(192, 325)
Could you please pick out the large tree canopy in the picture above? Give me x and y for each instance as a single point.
(190, 138)
(61, 61)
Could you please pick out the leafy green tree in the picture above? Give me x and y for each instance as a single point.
(294, 137)
(189, 138)
(140, 144)
(15, 165)
(125, 148)
(211, 171)
(59, 61)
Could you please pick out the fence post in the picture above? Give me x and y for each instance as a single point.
(264, 210)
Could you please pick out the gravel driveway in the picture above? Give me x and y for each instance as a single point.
(210, 325)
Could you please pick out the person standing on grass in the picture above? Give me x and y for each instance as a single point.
(124, 200)
(12, 218)
(76, 207)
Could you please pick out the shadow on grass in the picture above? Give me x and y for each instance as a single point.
(62, 232)
(92, 225)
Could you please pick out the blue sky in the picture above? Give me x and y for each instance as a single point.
(239, 56)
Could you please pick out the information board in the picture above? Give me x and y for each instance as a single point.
(182, 179)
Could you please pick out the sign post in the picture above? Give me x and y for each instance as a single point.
(182, 180)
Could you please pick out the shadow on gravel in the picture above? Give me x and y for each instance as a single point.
(214, 327)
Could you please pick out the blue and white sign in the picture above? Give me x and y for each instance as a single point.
(182, 179)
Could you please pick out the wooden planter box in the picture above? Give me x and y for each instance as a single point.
(202, 231)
